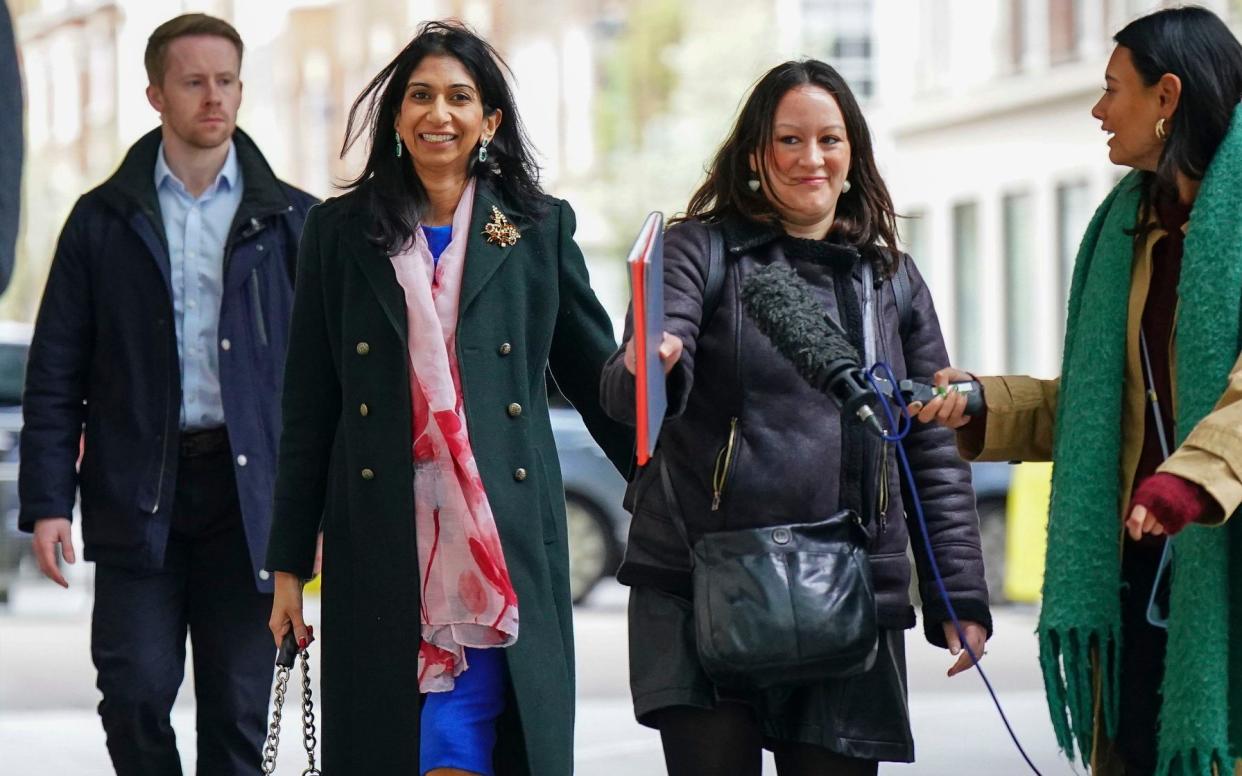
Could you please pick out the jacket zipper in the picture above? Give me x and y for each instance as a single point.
(882, 507)
(158, 227)
(163, 460)
(727, 457)
(256, 300)
(724, 464)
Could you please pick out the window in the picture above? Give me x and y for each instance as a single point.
(1073, 212)
(966, 272)
(1017, 34)
(840, 31)
(1064, 24)
(852, 47)
(1022, 278)
(913, 236)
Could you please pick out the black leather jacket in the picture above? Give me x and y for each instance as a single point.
(749, 443)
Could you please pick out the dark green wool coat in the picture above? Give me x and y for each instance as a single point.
(345, 459)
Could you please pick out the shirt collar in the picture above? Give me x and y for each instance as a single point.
(225, 179)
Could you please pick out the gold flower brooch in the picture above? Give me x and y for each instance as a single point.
(500, 230)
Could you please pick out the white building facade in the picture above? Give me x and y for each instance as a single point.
(982, 112)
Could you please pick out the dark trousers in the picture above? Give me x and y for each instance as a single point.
(138, 636)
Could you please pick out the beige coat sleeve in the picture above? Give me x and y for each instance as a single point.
(1021, 414)
(1211, 456)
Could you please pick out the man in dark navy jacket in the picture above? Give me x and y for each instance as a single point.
(160, 345)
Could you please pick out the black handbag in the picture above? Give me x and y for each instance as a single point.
(781, 605)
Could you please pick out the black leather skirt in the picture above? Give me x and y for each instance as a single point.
(864, 716)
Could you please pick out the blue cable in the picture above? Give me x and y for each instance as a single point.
(903, 429)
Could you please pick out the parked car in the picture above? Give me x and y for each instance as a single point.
(992, 482)
(14, 545)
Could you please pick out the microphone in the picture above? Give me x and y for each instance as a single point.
(782, 307)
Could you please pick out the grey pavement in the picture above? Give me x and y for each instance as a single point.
(48, 723)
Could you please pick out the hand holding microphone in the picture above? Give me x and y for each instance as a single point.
(952, 400)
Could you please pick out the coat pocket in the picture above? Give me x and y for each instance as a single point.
(552, 528)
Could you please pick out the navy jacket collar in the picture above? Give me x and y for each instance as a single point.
(134, 179)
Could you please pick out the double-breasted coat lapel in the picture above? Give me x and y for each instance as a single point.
(383, 279)
(483, 258)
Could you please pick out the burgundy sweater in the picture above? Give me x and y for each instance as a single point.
(1175, 502)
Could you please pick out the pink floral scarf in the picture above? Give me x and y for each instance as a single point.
(467, 597)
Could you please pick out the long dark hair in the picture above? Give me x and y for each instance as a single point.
(865, 215)
(392, 190)
(1193, 44)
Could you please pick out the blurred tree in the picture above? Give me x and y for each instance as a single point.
(672, 76)
(637, 78)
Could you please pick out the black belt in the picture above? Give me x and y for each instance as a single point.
(204, 442)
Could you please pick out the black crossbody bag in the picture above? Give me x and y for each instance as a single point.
(778, 605)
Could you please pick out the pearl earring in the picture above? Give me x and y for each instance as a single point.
(845, 187)
(753, 183)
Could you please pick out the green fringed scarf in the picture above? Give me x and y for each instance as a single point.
(1081, 597)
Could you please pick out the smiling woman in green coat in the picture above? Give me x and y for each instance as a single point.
(432, 299)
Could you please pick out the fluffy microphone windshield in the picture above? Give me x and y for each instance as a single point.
(781, 305)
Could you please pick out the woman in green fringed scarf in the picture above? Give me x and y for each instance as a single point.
(1145, 424)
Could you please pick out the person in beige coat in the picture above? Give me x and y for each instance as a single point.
(1144, 431)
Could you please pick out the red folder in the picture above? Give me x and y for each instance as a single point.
(646, 265)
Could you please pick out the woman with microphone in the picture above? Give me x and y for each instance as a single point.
(1143, 424)
(748, 443)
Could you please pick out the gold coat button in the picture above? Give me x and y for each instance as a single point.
(367, 474)
(519, 474)
(505, 349)
(515, 409)
(363, 348)
(364, 410)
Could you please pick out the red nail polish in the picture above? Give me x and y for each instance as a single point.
(302, 643)
(310, 631)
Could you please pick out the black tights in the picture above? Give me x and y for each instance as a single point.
(727, 741)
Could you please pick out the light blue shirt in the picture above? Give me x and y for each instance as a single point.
(198, 231)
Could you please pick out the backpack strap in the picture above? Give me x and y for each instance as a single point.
(714, 285)
(905, 299)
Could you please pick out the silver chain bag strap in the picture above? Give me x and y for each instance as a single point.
(285, 657)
